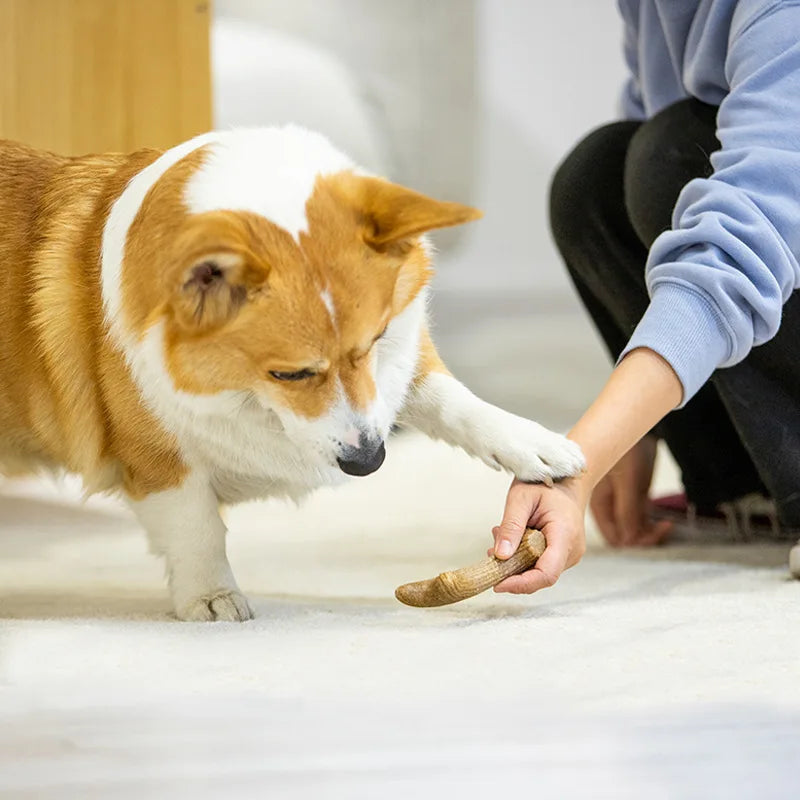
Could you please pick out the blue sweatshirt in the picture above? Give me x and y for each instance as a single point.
(719, 278)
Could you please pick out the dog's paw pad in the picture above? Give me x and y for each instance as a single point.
(563, 458)
(537, 455)
(225, 606)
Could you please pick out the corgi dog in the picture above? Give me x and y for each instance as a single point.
(241, 316)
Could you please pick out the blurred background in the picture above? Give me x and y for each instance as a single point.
(468, 100)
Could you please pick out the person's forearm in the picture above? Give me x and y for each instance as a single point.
(641, 391)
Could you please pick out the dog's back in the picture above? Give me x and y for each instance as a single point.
(51, 216)
(24, 404)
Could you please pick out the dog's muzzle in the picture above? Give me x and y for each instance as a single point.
(364, 459)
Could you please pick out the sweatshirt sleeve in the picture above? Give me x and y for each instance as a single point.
(631, 104)
(719, 278)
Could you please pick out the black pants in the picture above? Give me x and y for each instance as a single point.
(610, 198)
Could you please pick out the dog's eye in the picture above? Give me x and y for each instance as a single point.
(300, 375)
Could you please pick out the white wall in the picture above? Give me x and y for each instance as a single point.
(548, 71)
(472, 100)
(413, 62)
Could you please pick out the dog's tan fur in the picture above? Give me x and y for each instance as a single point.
(67, 398)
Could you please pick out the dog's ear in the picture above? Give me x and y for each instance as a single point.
(216, 272)
(213, 288)
(394, 214)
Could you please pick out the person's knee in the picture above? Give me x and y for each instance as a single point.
(665, 153)
(582, 182)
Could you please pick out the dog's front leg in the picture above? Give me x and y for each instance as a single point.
(443, 408)
(184, 526)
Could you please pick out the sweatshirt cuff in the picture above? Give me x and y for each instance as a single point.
(687, 331)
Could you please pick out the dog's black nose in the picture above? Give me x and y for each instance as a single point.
(362, 460)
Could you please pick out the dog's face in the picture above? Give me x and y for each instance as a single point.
(318, 324)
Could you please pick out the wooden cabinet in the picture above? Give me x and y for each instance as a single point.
(79, 76)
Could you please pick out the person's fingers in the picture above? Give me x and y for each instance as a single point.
(655, 534)
(630, 512)
(495, 531)
(545, 573)
(526, 583)
(602, 508)
(520, 505)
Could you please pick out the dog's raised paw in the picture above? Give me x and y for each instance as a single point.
(224, 606)
(563, 457)
(534, 454)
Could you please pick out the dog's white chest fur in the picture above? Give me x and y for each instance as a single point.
(243, 446)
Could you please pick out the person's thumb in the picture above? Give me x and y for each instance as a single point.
(515, 519)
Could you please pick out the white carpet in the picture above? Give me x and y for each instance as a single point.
(674, 672)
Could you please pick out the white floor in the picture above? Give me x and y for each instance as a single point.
(672, 673)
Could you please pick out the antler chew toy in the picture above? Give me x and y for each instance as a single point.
(459, 584)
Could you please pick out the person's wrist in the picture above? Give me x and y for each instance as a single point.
(582, 485)
(598, 464)
(579, 488)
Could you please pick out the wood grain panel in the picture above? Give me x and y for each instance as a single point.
(82, 76)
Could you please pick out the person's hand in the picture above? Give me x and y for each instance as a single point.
(621, 504)
(558, 512)
(642, 390)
